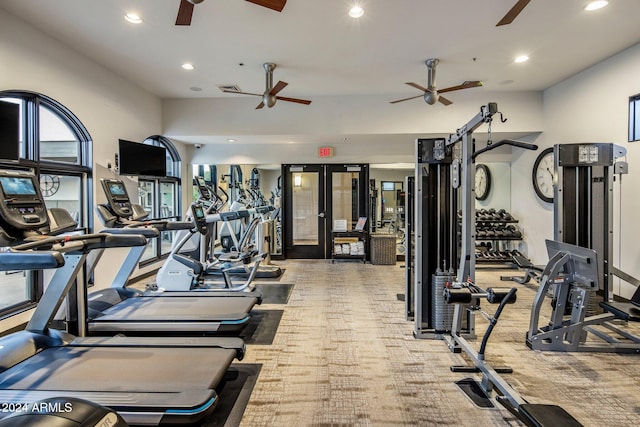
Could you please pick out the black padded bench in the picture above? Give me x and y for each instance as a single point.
(531, 271)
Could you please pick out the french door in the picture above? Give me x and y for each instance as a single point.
(314, 196)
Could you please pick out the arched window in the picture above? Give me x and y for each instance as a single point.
(161, 197)
(56, 146)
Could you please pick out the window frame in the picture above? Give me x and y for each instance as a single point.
(634, 118)
(29, 159)
(174, 176)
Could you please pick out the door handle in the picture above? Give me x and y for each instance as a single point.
(321, 215)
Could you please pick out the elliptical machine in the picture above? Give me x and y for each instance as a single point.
(252, 227)
(183, 273)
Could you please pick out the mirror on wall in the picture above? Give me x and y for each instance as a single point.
(388, 192)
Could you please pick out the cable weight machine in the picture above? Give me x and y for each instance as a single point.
(445, 262)
(444, 221)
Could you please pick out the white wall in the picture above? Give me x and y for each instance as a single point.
(107, 105)
(591, 106)
(370, 118)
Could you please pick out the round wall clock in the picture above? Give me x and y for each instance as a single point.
(483, 182)
(543, 175)
(49, 184)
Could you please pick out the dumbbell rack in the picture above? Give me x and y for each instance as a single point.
(494, 231)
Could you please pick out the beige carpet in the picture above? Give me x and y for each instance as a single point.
(344, 356)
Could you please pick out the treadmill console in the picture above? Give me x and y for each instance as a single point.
(117, 197)
(22, 208)
(199, 218)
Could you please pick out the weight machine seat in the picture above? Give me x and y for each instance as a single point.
(537, 415)
(628, 311)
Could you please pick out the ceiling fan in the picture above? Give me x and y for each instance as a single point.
(431, 94)
(513, 13)
(270, 94)
(185, 11)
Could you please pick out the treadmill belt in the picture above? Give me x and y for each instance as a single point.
(182, 308)
(114, 369)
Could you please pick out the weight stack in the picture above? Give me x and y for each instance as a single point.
(442, 313)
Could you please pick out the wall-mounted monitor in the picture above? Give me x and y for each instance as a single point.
(141, 159)
(9, 131)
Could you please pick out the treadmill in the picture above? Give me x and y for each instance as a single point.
(148, 381)
(120, 309)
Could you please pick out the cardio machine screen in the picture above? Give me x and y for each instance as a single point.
(117, 189)
(198, 212)
(17, 186)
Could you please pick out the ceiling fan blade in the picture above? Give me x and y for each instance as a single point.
(278, 87)
(417, 86)
(299, 101)
(276, 5)
(513, 13)
(464, 85)
(185, 12)
(405, 99)
(444, 100)
(261, 105)
(242, 93)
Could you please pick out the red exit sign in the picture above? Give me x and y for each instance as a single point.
(325, 152)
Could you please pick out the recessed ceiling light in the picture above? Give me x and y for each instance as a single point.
(188, 66)
(595, 5)
(231, 140)
(522, 58)
(134, 18)
(356, 11)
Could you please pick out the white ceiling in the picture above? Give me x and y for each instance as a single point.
(321, 51)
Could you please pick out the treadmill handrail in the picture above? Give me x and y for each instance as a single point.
(16, 260)
(82, 242)
(160, 224)
(148, 232)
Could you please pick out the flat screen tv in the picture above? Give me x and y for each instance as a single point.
(9, 130)
(141, 159)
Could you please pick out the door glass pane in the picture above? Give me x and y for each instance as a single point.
(345, 197)
(391, 204)
(57, 141)
(168, 200)
(146, 199)
(20, 103)
(64, 192)
(14, 287)
(305, 208)
(167, 210)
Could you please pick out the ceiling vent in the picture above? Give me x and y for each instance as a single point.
(234, 88)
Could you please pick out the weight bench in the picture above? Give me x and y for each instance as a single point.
(531, 271)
